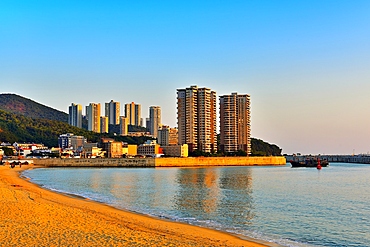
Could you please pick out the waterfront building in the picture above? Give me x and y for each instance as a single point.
(93, 117)
(133, 113)
(91, 150)
(112, 111)
(154, 120)
(196, 118)
(113, 148)
(235, 128)
(69, 140)
(150, 148)
(167, 136)
(75, 115)
(130, 150)
(123, 126)
(175, 150)
(104, 124)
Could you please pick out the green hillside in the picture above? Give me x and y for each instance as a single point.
(261, 148)
(22, 106)
(16, 128)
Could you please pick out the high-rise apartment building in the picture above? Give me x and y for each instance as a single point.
(155, 120)
(133, 113)
(104, 124)
(75, 115)
(93, 117)
(235, 128)
(112, 111)
(123, 126)
(196, 118)
(167, 136)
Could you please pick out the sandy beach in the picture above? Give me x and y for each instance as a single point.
(32, 216)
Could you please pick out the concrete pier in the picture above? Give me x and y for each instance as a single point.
(360, 159)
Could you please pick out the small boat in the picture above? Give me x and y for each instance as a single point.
(310, 162)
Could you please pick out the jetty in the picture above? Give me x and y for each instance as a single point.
(360, 159)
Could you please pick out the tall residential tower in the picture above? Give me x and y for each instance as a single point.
(112, 111)
(196, 118)
(75, 115)
(154, 120)
(93, 117)
(235, 128)
(133, 113)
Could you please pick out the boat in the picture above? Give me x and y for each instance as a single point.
(310, 162)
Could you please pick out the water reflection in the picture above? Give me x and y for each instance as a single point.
(215, 194)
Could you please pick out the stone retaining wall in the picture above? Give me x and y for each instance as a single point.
(163, 162)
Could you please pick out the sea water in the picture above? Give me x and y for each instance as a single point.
(283, 205)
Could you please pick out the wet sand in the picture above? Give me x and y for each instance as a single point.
(32, 216)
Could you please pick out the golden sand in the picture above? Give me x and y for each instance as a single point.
(32, 216)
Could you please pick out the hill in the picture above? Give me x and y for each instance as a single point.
(26, 107)
(261, 148)
(17, 128)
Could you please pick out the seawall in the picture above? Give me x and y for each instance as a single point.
(164, 162)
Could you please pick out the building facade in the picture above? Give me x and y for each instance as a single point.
(93, 117)
(104, 124)
(167, 136)
(112, 111)
(133, 113)
(175, 150)
(154, 120)
(150, 148)
(235, 128)
(75, 115)
(196, 119)
(123, 126)
(69, 140)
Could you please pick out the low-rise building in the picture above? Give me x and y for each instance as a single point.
(129, 150)
(175, 150)
(69, 140)
(150, 148)
(113, 148)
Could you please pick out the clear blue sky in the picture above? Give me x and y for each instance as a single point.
(306, 64)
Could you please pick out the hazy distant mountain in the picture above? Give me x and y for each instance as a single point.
(26, 107)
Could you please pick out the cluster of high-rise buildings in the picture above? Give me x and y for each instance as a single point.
(112, 119)
(196, 120)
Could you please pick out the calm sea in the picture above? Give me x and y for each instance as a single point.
(288, 206)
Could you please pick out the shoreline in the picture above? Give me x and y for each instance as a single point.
(36, 216)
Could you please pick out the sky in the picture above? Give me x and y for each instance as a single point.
(305, 64)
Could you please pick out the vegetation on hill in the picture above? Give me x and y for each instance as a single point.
(22, 106)
(16, 128)
(261, 148)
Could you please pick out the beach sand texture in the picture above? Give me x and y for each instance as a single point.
(32, 216)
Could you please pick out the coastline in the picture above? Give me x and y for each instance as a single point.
(34, 216)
